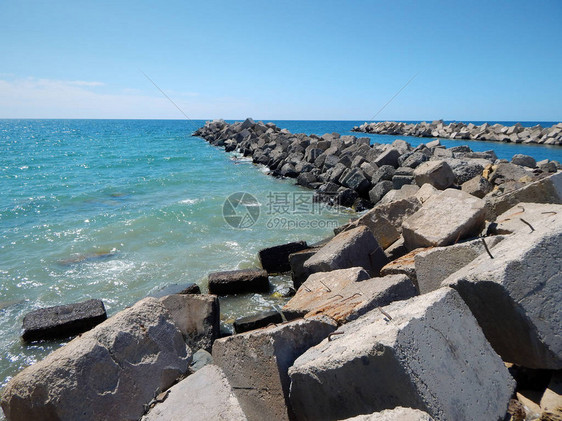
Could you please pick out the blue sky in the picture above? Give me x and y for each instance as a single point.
(331, 60)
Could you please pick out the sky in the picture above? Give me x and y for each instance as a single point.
(273, 60)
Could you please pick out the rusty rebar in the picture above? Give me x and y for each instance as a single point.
(525, 222)
(487, 249)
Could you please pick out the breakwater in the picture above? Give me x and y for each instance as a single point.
(457, 130)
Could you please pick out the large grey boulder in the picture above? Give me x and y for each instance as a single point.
(354, 248)
(426, 353)
(346, 294)
(380, 190)
(397, 414)
(437, 173)
(445, 219)
(524, 160)
(435, 264)
(196, 316)
(516, 295)
(477, 186)
(385, 220)
(389, 157)
(63, 321)
(406, 191)
(205, 395)
(110, 372)
(256, 364)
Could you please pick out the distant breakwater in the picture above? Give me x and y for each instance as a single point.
(496, 132)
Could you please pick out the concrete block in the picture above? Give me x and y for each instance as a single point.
(116, 368)
(396, 414)
(256, 364)
(354, 248)
(437, 173)
(445, 219)
(516, 295)
(238, 281)
(426, 353)
(196, 316)
(205, 395)
(62, 321)
(433, 265)
(276, 259)
(297, 260)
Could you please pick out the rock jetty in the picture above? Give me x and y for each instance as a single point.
(442, 302)
(457, 130)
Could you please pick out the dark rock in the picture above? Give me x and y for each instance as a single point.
(347, 197)
(356, 180)
(276, 259)
(262, 319)
(414, 159)
(238, 281)
(361, 204)
(389, 157)
(63, 321)
(381, 188)
(386, 172)
(524, 160)
(188, 288)
(400, 180)
(306, 179)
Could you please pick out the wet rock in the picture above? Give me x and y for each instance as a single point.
(262, 319)
(256, 364)
(238, 281)
(445, 219)
(354, 248)
(63, 321)
(433, 265)
(187, 288)
(196, 316)
(297, 260)
(118, 366)
(515, 296)
(437, 173)
(205, 395)
(276, 259)
(415, 350)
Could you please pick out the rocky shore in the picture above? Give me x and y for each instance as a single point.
(440, 302)
(496, 132)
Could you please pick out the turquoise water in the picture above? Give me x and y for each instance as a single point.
(117, 209)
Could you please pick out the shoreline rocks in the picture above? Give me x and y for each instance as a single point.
(457, 130)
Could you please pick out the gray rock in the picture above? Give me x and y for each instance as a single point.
(435, 264)
(437, 173)
(187, 288)
(356, 180)
(380, 189)
(256, 364)
(422, 353)
(477, 186)
(404, 265)
(261, 319)
(116, 368)
(276, 259)
(516, 295)
(399, 180)
(445, 219)
(405, 192)
(63, 321)
(386, 172)
(385, 220)
(200, 359)
(414, 160)
(504, 172)
(389, 157)
(547, 166)
(196, 316)
(354, 248)
(238, 281)
(205, 395)
(524, 160)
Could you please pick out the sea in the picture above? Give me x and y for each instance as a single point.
(121, 209)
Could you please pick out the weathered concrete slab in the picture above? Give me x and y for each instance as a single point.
(426, 192)
(445, 219)
(62, 321)
(238, 281)
(420, 353)
(116, 368)
(433, 265)
(205, 395)
(523, 218)
(404, 265)
(358, 298)
(276, 259)
(437, 173)
(256, 364)
(354, 248)
(405, 192)
(385, 220)
(196, 316)
(547, 190)
(516, 296)
(396, 414)
(262, 319)
(477, 186)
